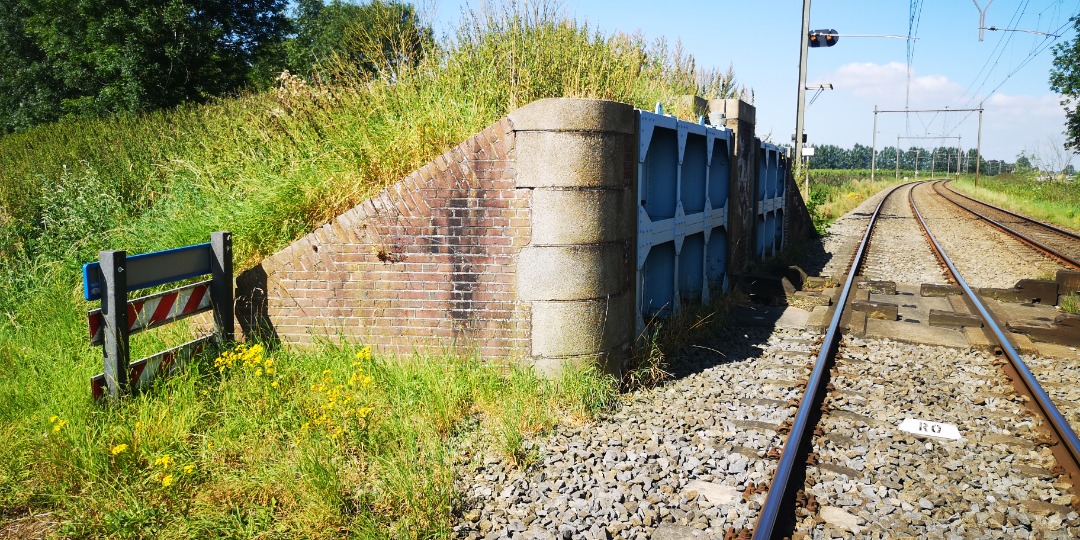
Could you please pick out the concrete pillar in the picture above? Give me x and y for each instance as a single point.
(738, 116)
(577, 156)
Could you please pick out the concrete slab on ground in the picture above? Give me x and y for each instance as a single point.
(911, 332)
(771, 316)
(912, 307)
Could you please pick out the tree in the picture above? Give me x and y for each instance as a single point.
(1065, 80)
(1023, 164)
(341, 38)
(93, 57)
(29, 91)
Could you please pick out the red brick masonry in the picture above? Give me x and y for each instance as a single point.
(429, 262)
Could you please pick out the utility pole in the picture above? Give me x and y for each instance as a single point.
(804, 47)
(873, 148)
(897, 156)
(958, 147)
(978, 143)
(982, 16)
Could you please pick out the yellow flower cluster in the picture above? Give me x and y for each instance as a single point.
(338, 408)
(57, 423)
(250, 358)
(242, 355)
(118, 449)
(166, 461)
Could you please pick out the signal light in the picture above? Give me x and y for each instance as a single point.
(823, 38)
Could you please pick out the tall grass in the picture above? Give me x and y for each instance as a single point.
(248, 453)
(834, 193)
(1052, 201)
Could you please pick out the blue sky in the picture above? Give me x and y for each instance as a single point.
(950, 67)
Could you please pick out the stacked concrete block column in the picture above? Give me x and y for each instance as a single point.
(576, 272)
(739, 117)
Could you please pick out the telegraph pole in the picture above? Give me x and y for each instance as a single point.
(873, 148)
(978, 143)
(804, 46)
(897, 155)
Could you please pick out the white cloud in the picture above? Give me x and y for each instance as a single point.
(887, 84)
(1011, 123)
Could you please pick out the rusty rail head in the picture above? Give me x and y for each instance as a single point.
(1067, 446)
(1035, 244)
(778, 491)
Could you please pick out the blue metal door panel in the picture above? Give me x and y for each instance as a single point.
(692, 269)
(772, 175)
(716, 251)
(719, 172)
(684, 176)
(658, 282)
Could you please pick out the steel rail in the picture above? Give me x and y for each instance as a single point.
(1039, 246)
(1067, 451)
(779, 495)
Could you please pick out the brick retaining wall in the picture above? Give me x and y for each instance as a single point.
(518, 244)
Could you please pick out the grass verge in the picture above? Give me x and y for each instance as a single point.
(284, 443)
(834, 193)
(315, 444)
(1056, 201)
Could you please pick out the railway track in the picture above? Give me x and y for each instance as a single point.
(694, 457)
(1055, 242)
(842, 452)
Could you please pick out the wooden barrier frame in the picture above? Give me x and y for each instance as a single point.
(115, 275)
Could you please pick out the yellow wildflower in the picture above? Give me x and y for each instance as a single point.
(118, 449)
(167, 480)
(274, 384)
(364, 353)
(59, 424)
(165, 461)
(189, 468)
(53, 419)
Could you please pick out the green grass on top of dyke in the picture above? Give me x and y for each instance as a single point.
(1051, 201)
(328, 442)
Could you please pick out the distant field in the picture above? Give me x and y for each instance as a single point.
(1056, 202)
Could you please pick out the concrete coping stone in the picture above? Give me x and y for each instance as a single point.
(574, 114)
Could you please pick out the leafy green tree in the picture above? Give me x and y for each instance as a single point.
(1065, 80)
(92, 57)
(858, 157)
(30, 93)
(345, 39)
(1023, 163)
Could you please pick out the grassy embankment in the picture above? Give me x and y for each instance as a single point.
(322, 443)
(835, 192)
(1056, 202)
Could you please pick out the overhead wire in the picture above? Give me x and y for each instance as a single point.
(999, 50)
(914, 18)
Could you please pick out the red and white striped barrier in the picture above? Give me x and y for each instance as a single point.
(143, 372)
(155, 310)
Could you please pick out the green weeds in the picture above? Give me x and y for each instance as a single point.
(834, 193)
